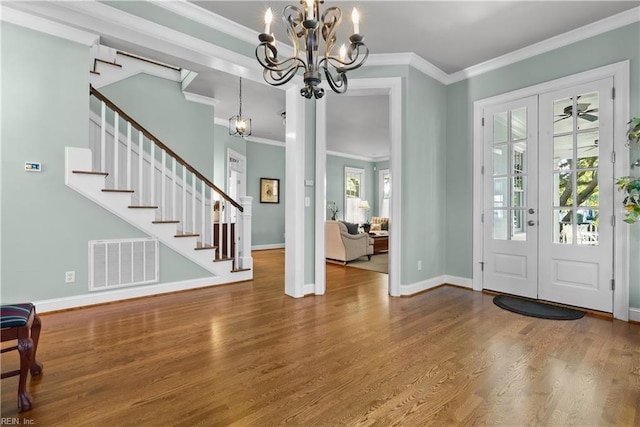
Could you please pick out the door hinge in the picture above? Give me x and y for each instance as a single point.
(613, 93)
(613, 220)
(482, 218)
(613, 157)
(483, 121)
(482, 170)
(481, 265)
(613, 284)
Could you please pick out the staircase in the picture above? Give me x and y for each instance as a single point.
(134, 175)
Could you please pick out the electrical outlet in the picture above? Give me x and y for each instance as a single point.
(420, 265)
(70, 277)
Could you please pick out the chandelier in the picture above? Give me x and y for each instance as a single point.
(306, 25)
(238, 125)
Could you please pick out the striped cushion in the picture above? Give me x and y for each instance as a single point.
(15, 315)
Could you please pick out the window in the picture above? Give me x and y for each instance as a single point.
(353, 194)
(384, 188)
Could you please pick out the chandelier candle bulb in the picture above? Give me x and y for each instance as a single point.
(343, 52)
(268, 17)
(355, 17)
(310, 9)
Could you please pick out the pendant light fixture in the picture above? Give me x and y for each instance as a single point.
(238, 125)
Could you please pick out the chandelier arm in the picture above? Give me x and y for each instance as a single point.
(337, 84)
(358, 54)
(278, 78)
(268, 59)
(331, 20)
(293, 19)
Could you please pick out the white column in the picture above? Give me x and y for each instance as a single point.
(245, 260)
(295, 261)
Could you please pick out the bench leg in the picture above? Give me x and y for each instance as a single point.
(25, 348)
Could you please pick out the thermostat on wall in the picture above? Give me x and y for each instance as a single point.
(32, 166)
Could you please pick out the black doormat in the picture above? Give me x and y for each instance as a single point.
(536, 309)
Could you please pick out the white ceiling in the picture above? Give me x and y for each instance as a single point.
(452, 35)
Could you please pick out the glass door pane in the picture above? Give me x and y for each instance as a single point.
(576, 159)
(509, 173)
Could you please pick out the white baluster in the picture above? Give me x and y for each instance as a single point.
(183, 218)
(103, 137)
(193, 202)
(203, 202)
(140, 167)
(152, 170)
(163, 184)
(174, 214)
(116, 142)
(228, 222)
(128, 155)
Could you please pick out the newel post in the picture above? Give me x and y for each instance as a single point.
(246, 260)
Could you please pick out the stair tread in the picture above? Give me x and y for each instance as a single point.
(166, 221)
(187, 235)
(115, 64)
(94, 72)
(90, 172)
(238, 270)
(113, 190)
(205, 247)
(142, 207)
(224, 258)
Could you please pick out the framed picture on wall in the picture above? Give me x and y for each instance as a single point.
(269, 190)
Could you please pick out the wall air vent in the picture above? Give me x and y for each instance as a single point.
(119, 263)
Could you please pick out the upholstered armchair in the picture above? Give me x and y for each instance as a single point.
(345, 247)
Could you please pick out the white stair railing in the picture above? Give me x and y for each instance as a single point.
(158, 177)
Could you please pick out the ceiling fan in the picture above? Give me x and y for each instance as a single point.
(583, 112)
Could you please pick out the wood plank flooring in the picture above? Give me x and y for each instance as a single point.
(246, 354)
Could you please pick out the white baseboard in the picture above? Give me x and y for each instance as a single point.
(634, 314)
(309, 289)
(422, 286)
(266, 247)
(76, 301)
(434, 282)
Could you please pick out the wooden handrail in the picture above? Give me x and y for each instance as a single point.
(160, 144)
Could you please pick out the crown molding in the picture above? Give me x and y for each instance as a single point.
(357, 157)
(590, 30)
(410, 59)
(27, 20)
(214, 21)
(200, 99)
(266, 141)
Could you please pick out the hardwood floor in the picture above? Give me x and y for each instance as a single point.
(246, 354)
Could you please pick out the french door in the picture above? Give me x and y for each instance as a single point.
(548, 175)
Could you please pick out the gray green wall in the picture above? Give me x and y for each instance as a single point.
(604, 49)
(266, 161)
(45, 225)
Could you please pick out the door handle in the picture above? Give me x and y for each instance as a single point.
(531, 222)
(532, 211)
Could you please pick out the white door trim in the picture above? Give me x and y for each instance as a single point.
(241, 167)
(620, 73)
(393, 86)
